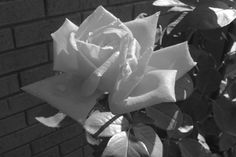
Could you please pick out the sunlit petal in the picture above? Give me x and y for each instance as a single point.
(176, 57)
(144, 30)
(63, 92)
(99, 18)
(156, 87)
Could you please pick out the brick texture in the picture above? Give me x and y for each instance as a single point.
(36, 74)
(6, 40)
(8, 85)
(53, 152)
(57, 138)
(23, 151)
(26, 56)
(12, 123)
(23, 58)
(72, 144)
(23, 136)
(20, 10)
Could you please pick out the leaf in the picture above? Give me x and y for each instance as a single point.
(98, 119)
(141, 117)
(166, 115)
(196, 106)
(149, 137)
(52, 121)
(184, 130)
(171, 149)
(209, 127)
(205, 83)
(225, 115)
(224, 16)
(231, 67)
(191, 148)
(168, 3)
(125, 145)
(232, 90)
(183, 87)
(226, 141)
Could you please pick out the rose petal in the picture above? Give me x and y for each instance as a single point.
(144, 30)
(176, 57)
(63, 60)
(63, 92)
(156, 87)
(99, 18)
(66, 58)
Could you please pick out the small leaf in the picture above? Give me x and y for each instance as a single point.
(224, 16)
(168, 3)
(183, 87)
(191, 148)
(125, 145)
(149, 137)
(98, 119)
(225, 115)
(52, 121)
(166, 115)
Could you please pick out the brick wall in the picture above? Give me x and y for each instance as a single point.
(26, 57)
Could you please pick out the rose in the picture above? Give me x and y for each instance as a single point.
(106, 55)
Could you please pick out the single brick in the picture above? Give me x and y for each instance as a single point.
(124, 12)
(40, 31)
(12, 123)
(88, 151)
(36, 74)
(55, 7)
(23, 58)
(20, 103)
(23, 151)
(23, 136)
(4, 108)
(53, 152)
(8, 85)
(77, 153)
(6, 40)
(72, 144)
(56, 138)
(20, 10)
